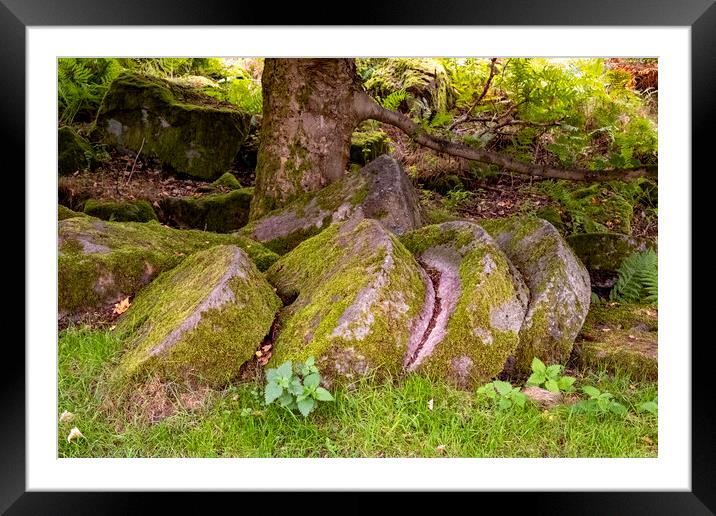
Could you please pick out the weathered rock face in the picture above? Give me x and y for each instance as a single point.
(559, 287)
(102, 262)
(474, 306)
(354, 295)
(181, 127)
(381, 191)
(220, 213)
(203, 319)
(73, 152)
(120, 211)
(603, 253)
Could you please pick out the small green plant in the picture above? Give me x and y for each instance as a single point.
(393, 100)
(638, 279)
(456, 197)
(298, 389)
(649, 406)
(551, 377)
(503, 394)
(600, 402)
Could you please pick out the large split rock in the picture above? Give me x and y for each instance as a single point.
(380, 190)
(474, 306)
(184, 129)
(219, 212)
(102, 262)
(354, 296)
(559, 287)
(203, 319)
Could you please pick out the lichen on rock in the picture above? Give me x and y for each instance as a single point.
(558, 282)
(353, 293)
(381, 190)
(475, 307)
(101, 262)
(183, 128)
(203, 319)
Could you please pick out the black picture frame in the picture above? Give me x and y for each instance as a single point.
(699, 15)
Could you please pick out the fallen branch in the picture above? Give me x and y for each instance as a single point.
(464, 117)
(366, 108)
(135, 163)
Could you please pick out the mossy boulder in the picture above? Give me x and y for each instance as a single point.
(203, 319)
(559, 287)
(228, 181)
(621, 339)
(101, 262)
(426, 82)
(475, 304)
(220, 213)
(367, 144)
(603, 253)
(381, 190)
(120, 211)
(180, 126)
(73, 152)
(353, 296)
(63, 212)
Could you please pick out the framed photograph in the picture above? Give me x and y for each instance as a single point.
(677, 40)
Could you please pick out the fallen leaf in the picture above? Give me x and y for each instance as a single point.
(74, 434)
(440, 449)
(632, 337)
(111, 328)
(258, 354)
(430, 404)
(647, 439)
(121, 307)
(66, 416)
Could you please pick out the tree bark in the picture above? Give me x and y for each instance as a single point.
(306, 128)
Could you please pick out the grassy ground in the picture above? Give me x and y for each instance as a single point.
(374, 420)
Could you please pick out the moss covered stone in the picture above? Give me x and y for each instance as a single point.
(475, 304)
(425, 80)
(183, 128)
(221, 213)
(102, 262)
(120, 211)
(367, 144)
(558, 282)
(353, 294)
(380, 190)
(63, 212)
(73, 152)
(203, 319)
(621, 339)
(228, 181)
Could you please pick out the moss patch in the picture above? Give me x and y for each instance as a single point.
(120, 211)
(356, 291)
(367, 144)
(606, 251)
(203, 319)
(73, 152)
(220, 213)
(228, 181)
(63, 212)
(100, 262)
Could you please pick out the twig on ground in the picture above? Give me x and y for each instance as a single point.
(135, 162)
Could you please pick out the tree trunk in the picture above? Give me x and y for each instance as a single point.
(306, 129)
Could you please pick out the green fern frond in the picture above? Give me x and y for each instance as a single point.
(638, 279)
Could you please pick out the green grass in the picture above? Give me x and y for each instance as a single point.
(373, 420)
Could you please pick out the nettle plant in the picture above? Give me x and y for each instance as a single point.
(299, 389)
(600, 402)
(550, 377)
(503, 394)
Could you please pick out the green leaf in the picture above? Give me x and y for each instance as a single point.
(312, 380)
(554, 370)
(272, 374)
(565, 383)
(502, 387)
(322, 394)
(617, 408)
(519, 399)
(305, 406)
(287, 399)
(648, 406)
(536, 379)
(593, 392)
(538, 366)
(551, 386)
(296, 387)
(504, 403)
(285, 370)
(602, 403)
(310, 361)
(272, 392)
